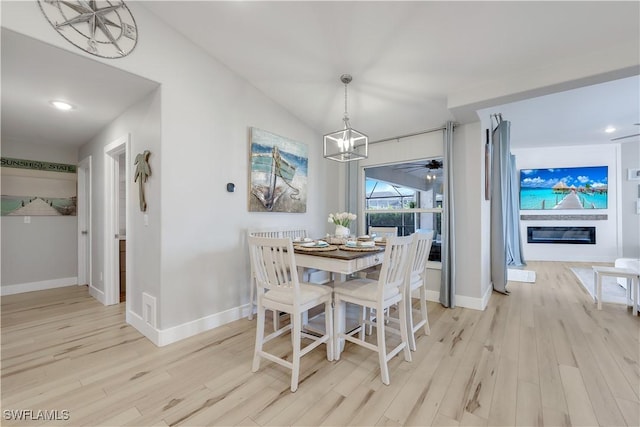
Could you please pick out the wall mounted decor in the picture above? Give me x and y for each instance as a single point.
(34, 188)
(278, 173)
(564, 188)
(143, 171)
(102, 28)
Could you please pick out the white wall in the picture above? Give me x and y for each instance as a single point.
(43, 253)
(630, 195)
(142, 122)
(608, 237)
(471, 219)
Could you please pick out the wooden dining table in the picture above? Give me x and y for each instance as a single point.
(340, 263)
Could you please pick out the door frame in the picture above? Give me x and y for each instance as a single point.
(84, 222)
(111, 221)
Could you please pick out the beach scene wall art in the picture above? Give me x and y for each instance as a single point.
(564, 188)
(278, 169)
(35, 188)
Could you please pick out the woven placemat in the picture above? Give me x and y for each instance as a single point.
(359, 248)
(316, 249)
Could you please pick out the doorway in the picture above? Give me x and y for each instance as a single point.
(116, 158)
(84, 222)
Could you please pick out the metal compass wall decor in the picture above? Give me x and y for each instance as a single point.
(102, 28)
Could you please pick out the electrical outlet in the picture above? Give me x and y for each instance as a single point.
(27, 220)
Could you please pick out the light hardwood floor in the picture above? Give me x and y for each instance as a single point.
(541, 356)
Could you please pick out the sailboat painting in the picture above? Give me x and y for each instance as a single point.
(278, 173)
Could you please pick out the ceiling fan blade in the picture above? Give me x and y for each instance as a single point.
(625, 137)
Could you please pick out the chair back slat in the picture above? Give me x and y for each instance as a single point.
(273, 263)
(395, 264)
(421, 247)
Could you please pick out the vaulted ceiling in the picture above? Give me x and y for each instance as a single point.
(415, 65)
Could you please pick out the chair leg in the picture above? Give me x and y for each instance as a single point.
(252, 292)
(328, 324)
(404, 333)
(382, 346)
(423, 309)
(295, 333)
(259, 339)
(408, 302)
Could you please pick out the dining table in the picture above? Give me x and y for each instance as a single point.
(341, 261)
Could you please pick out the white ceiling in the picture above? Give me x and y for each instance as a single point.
(34, 73)
(407, 60)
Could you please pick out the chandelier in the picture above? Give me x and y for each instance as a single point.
(346, 144)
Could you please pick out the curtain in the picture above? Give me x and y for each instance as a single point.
(506, 242)
(447, 277)
(500, 176)
(514, 238)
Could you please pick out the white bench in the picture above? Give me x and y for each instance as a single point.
(631, 275)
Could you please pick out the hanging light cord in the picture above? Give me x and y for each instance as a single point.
(346, 114)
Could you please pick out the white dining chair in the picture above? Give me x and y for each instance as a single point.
(383, 231)
(252, 289)
(417, 281)
(279, 289)
(378, 295)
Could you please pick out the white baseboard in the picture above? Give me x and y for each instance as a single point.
(143, 327)
(517, 275)
(463, 300)
(97, 294)
(38, 286)
(162, 337)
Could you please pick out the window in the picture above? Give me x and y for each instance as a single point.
(407, 196)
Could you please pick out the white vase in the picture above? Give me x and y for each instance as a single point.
(342, 231)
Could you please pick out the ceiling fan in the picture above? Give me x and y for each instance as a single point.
(430, 165)
(627, 136)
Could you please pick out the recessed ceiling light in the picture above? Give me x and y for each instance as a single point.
(610, 129)
(62, 106)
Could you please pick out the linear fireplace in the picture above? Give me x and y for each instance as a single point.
(570, 235)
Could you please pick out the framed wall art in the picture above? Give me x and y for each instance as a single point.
(278, 173)
(32, 188)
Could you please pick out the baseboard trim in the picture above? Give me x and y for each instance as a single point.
(162, 337)
(38, 286)
(143, 327)
(97, 294)
(463, 300)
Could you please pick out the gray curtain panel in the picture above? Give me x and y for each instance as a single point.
(500, 177)
(447, 277)
(514, 238)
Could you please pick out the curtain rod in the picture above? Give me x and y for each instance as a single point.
(409, 135)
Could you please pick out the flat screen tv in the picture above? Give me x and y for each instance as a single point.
(564, 188)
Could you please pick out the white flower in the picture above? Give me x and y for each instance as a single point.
(341, 218)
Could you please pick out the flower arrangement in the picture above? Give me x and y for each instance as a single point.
(342, 218)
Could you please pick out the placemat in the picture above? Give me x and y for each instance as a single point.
(360, 248)
(316, 249)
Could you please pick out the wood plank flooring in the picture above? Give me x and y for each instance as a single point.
(541, 356)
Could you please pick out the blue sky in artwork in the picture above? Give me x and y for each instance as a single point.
(595, 176)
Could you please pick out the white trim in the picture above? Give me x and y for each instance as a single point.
(111, 212)
(38, 286)
(463, 300)
(162, 337)
(97, 294)
(85, 264)
(144, 328)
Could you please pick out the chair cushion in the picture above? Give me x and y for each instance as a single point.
(363, 289)
(308, 292)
